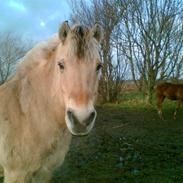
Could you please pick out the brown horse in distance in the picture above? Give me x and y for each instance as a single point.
(170, 91)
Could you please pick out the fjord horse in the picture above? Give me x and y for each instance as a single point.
(170, 91)
(50, 97)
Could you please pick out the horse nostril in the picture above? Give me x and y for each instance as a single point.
(90, 118)
(70, 115)
(92, 115)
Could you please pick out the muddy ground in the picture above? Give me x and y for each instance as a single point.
(129, 144)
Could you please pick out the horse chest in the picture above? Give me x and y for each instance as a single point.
(54, 155)
(36, 154)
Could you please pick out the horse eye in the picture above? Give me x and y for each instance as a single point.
(99, 66)
(61, 65)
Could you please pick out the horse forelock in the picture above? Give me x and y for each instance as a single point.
(82, 44)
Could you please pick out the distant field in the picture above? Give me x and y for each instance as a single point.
(129, 144)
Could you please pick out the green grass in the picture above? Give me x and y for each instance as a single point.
(130, 96)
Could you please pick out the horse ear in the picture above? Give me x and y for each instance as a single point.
(63, 31)
(97, 32)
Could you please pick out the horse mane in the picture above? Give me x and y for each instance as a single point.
(38, 55)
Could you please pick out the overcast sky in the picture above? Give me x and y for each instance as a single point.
(36, 19)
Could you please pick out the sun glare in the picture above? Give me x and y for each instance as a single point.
(42, 24)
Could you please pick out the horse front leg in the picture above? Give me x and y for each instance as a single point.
(41, 176)
(1, 171)
(15, 177)
(178, 103)
(22, 177)
(160, 100)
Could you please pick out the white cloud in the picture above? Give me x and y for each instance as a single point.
(17, 5)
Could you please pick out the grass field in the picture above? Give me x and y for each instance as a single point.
(129, 144)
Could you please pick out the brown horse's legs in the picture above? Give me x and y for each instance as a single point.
(177, 108)
(160, 100)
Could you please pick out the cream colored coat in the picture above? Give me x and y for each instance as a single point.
(34, 136)
(33, 139)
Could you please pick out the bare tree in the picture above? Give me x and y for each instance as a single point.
(12, 49)
(152, 41)
(145, 34)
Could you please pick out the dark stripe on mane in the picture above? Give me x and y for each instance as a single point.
(80, 37)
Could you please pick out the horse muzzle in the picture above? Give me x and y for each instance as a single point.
(80, 121)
